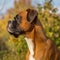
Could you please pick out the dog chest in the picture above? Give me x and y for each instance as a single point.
(31, 48)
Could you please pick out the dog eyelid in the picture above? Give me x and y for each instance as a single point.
(17, 17)
(20, 17)
(19, 20)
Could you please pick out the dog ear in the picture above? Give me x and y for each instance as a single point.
(31, 15)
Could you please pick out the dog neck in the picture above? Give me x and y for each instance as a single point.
(30, 42)
(37, 32)
(33, 42)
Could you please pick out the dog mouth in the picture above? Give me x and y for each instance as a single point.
(15, 32)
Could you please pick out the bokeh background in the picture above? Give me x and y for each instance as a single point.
(12, 48)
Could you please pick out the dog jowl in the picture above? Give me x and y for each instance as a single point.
(22, 23)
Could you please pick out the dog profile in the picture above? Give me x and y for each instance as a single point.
(26, 23)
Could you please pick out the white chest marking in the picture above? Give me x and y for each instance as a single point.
(31, 48)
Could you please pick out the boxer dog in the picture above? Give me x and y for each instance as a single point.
(26, 23)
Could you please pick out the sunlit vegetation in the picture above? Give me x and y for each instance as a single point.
(12, 48)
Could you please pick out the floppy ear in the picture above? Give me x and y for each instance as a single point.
(31, 15)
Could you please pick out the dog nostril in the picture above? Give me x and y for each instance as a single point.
(9, 22)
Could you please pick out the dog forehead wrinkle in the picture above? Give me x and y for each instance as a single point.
(31, 48)
(23, 13)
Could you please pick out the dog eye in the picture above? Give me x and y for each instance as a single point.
(19, 19)
(16, 17)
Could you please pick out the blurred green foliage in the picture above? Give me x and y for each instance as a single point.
(50, 21)
(12, 48)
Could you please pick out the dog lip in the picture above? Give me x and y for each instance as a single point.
(12, 33)
(9, 30)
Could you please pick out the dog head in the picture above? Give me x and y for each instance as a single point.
(22, 23)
